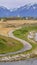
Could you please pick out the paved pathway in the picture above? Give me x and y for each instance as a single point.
(27, 46)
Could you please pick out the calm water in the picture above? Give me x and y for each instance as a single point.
(25, 62)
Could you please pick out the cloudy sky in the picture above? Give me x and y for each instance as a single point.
(15, 3)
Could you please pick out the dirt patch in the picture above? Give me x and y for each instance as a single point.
(5, 30)
(16, 23)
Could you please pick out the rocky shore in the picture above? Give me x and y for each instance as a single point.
(17, 57)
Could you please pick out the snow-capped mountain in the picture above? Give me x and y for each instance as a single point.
(4, 12)
(27, 11)
(23, 11)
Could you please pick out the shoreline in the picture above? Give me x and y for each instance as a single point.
(17, 57)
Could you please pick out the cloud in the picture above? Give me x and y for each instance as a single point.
(15, 3)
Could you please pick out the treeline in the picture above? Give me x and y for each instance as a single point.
(18, 18)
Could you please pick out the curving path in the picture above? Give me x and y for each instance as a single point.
(27, 46)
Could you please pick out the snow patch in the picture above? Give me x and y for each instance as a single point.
(34, 7)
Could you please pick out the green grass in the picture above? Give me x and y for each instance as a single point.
(23, 32)
(9, 45)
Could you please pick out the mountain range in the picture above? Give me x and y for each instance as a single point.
(23, 11)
